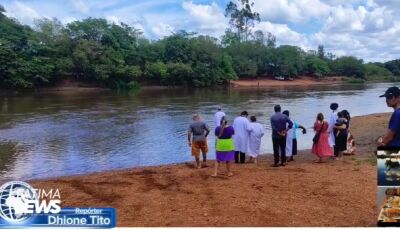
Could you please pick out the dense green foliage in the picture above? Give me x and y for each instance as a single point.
(118, 56)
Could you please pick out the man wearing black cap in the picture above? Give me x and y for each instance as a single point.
(279, 132)
(392, 136)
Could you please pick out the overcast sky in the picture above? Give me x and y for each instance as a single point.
(368, 29)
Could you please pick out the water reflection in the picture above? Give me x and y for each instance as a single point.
(86, 132)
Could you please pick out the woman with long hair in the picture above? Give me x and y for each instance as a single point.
(321, 146)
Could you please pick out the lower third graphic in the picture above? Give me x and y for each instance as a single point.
(22, 205)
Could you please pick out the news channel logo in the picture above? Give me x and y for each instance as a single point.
(15, 200)
(23, 205)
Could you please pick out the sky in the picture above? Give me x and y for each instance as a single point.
(367, 29)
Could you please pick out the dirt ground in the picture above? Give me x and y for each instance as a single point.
(300, 81)
(334, 193)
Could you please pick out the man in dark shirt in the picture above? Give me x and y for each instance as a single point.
(279, 129)
(392, 136)
(197, 139)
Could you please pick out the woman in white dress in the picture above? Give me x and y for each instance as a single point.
(291, 138)
(256, 132)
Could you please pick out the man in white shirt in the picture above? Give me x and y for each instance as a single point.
(218, 116)
(241, 137)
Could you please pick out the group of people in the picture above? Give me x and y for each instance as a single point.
(333, 138)
(243, 137)
(233, 142)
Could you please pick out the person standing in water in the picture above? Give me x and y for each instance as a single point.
(256, 132)
(218, 116)
(197, 139)
(225, 148)
(291, 138)
(241, 137)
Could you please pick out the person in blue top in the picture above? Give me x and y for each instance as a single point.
(392, 136)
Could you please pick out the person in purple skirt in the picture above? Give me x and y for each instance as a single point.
(225, 148)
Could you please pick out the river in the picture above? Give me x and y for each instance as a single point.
(63, 133)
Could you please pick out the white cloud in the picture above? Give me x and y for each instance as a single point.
(207, 19)
(80, 6)
(345, 20)
(162, 30)
(24, 13)
(358, 20)
(388, 3)
(67, 20)
(284, 11)
(283, 34)
(113, 19)
(347, 3)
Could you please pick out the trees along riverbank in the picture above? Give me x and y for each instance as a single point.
(120, 57)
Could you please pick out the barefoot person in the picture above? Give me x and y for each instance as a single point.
(321, 146)
(225, 149)
(392, 136)
(280, 124)
(241, 137)
(291, 138)
(197, 139)
(256, 132)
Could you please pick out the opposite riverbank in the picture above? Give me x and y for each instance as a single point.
(299, 81)
(335, 193)
(71, 87)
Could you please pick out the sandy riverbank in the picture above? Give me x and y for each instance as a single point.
(300, 81)
(301, 194)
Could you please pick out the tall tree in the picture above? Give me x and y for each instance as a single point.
(242, 17)
(321, 52)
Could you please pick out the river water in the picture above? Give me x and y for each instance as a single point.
(55, 134)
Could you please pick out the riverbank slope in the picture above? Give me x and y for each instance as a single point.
(335, 193)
